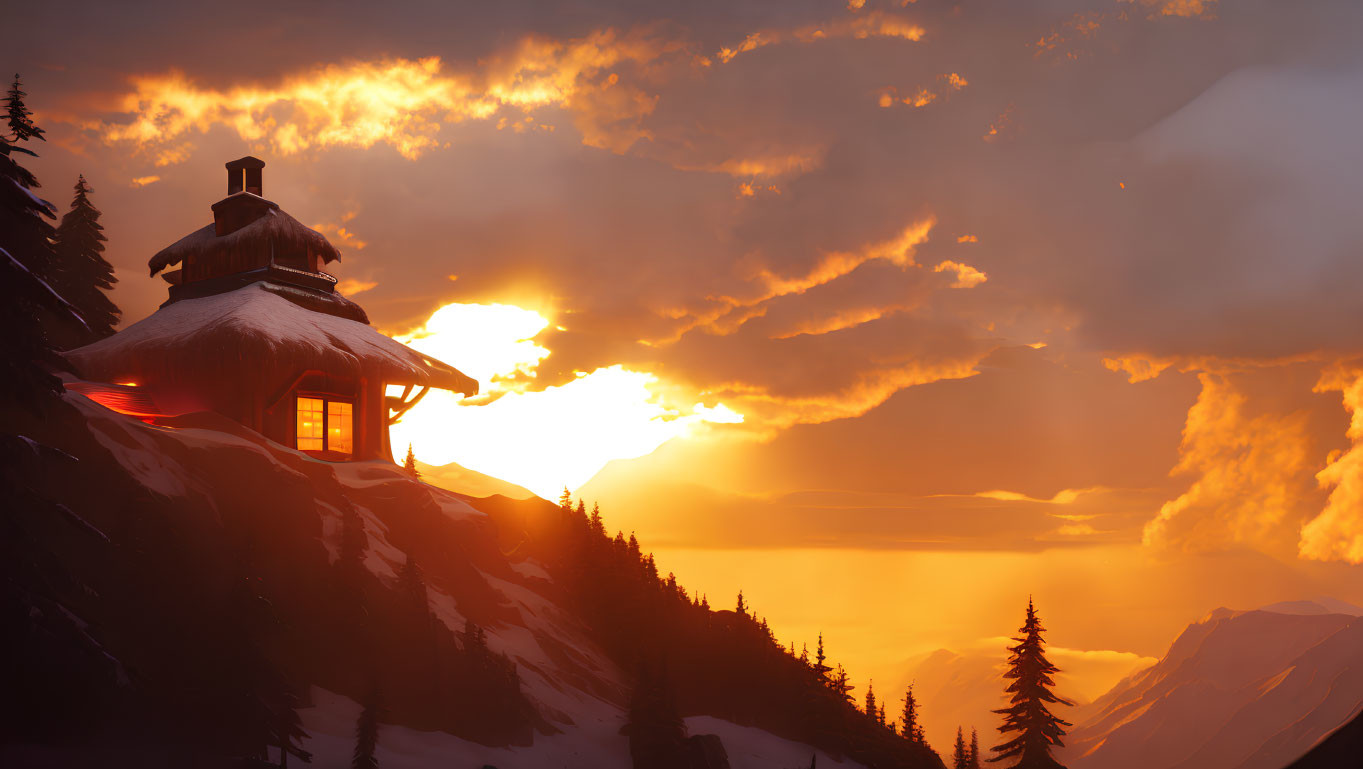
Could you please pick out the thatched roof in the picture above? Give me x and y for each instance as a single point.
(255, 334)
(274, 228)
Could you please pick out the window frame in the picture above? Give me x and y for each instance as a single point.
(327, 398)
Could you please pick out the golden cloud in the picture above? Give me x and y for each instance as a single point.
(338, 232)
(966, 276)
(1249, 473)
(923, 96)
(351, 286)
(142, 181)
(1180, 8)
(859, 27)
(402, 103)
(1336, 533)
(872, 388)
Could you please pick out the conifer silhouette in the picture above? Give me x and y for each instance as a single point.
(19, 116)
(960, 755)
(81, 274)
(1038, 729)
(27, 297)
(409, 464)
(912, 730)
(367, 734)
(974, 748)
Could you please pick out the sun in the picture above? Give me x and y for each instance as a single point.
(542, 439)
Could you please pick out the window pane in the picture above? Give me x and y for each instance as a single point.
(340, 428)
(310, 424)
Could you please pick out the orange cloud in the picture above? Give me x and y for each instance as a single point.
(897, 251)
(1336, 533)
(351, 286)
(967, 239)
(966, 276)
(1180, 8)
(142, 181)
(859, 27)
(339, 233)
(923, 96)
(1138, 368)
(402, 103)
(774, 412)
(1248, 468)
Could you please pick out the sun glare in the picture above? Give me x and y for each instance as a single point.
(544, 439)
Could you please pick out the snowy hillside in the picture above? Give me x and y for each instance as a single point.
(1238, 690)
(177, 573)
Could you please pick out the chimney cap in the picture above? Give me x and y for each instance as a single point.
(246, 162)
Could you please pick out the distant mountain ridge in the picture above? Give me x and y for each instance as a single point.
(1236, 690)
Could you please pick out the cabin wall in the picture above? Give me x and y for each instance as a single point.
(278, 419)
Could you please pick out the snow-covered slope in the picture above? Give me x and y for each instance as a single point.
(205, 470)
(1238, 690)
(594, 742)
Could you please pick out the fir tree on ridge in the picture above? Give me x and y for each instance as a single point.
(1027, 714)
(974, 752)
(409, 464)
(81, 274)
(911, 729)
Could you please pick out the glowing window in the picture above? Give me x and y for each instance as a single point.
(311, 424)
(340, 427)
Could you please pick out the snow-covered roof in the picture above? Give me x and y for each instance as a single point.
(259, 333)
(273, 228)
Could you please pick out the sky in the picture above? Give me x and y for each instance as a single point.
(889, 313)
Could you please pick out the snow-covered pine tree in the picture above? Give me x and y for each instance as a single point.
(1038, 729)
(81, 274)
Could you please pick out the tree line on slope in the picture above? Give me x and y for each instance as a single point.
(695, 660)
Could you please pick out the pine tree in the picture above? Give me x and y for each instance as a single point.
(26, 258)
(871, 709)
(19, 116)
(81, 274)
(409, 464)
(367, 734)
(565, 501)
(742, 607)
(820, 669)
(880, 716)
(974, 748)
(842, 684)
(912, 730)
(581, 510)
(1038, 729)
(598, 528)
(960, 756)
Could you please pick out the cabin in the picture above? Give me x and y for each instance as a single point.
(254, 329)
